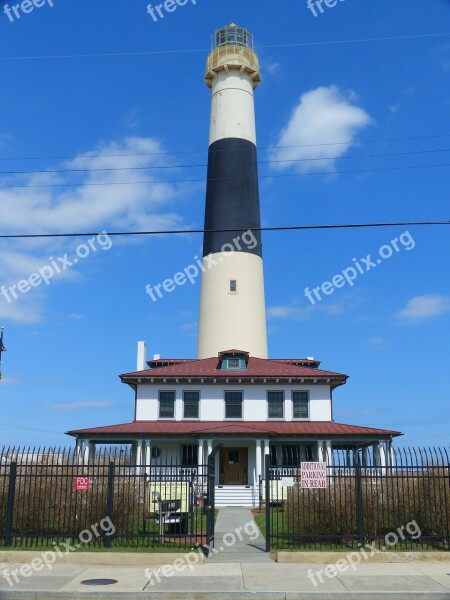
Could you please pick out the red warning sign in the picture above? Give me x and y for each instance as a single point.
(81, 484)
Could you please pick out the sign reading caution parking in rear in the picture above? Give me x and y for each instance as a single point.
(314, 475)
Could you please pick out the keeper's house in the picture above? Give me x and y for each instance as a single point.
(253, 406)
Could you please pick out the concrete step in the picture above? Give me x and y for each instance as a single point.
(234, 495)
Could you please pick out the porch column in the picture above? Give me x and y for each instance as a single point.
(320, 451)
(258, 461)
(86, 448)
(382, 455)
(209, 444)
(77, 457)
(391, 454)
(348, 458)
(365, 459)
(376, 455)
(148, 456)
(92, 452)
(138, 456)
(200, 458)
(328, 453)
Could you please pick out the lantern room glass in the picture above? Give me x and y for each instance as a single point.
(233, 36)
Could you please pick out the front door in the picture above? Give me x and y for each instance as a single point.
(234, 467)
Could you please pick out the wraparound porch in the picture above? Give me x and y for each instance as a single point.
(240, 461)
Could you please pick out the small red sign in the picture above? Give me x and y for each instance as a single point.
(81, 484)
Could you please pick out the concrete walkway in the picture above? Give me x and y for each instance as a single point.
(238, 538)
(234, 581)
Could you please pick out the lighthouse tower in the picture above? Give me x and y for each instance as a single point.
(232, 306)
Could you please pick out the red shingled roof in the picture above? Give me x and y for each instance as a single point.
(256, 367)
(215, 428)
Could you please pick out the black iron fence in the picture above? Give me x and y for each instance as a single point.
(48, 496)
(405, 505)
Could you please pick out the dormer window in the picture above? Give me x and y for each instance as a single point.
(233, 363)
(233, 360)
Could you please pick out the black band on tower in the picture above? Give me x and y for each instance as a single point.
(232, 195)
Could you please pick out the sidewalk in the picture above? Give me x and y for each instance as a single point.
(234, 581)
(247, 546)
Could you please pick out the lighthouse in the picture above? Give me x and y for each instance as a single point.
(232, 304)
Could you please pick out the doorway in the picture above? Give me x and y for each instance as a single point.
(234, 466)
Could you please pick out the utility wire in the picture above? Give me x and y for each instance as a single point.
(204, 50)
(201, 180)
(188, 231)
(260, 148)
(194, 166)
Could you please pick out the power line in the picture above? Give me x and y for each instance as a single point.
(202, 180)
(195, 166)
(260, 148)
(204, 50)
(188, 231)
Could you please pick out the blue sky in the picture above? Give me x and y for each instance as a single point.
(140, 92)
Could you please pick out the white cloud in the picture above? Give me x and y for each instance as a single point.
(444, 56)
(189, 326)
(9, 381)
(131, 118)
(422, 308)
(80, 404)
(297, 313)
(350, 412)
(76, 316)
(5, 140)
(88, 204)
(323, 116)
(272, 68)
(375, 341)
(81, 207)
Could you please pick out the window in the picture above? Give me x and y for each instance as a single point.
(234, 363)
(191, 404)
(300, 401)
(229, 362)
(166, 405)
(233, 285)
(233, 405)
(309, 453)
(291, 456)
(189, 456)
(275, 401)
